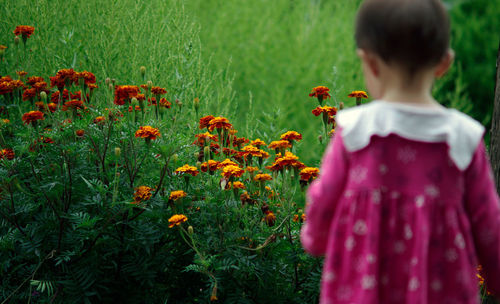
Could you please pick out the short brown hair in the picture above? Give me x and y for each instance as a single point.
(411, 33)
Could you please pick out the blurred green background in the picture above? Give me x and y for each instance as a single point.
(252, 60)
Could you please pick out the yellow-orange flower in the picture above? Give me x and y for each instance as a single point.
(262, 177)
(176, 220)
(219, 123)
(142, 193)
(320, 92)
(270, 218)
(147, 132)
(252, 169)
(32, 116)
(232, 171)
(238, 185)
(226, 162)
(251, 150)
(175, 195)
(308, 172)
(358, 94)
(280, 144)
(257, 142)
(330, 111)
(291, 135)
(187, 169)
(289, 160)
(99, 119)
(125, 92)
(25, 30)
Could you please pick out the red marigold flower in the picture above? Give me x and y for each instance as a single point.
(32, 117)
(39, 86)
(17, 84)
(73, 104)
(187, 169)
(203, 137)
(88, 77)
(6, 87)
(176, 220)
(147, 132)
(24, 30)
(76, 95)
(80, 133)
(204, 121)
(56, 81)
(291, 135)
(288, 160)
(54, 97)
(52, 107)
(165, 103)
(219, 123)
(137, 108)
(320, 92)
(29, 94)
(22, 73)
(238, 185)
(99, 119)
(92, 86)
(145, 87)
(7, 154)
(358, 94)
(141, 97)
(330, 111)
(270, 218)
(252, 169)
(226, 162)
(238, 141)
(158, 91)
(125, 92)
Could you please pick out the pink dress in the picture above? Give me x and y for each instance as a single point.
(405, 208)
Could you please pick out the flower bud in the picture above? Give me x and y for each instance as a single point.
(190, 230)
(2, 49)
(113, 81)
(198, 165)
(143, 71)
(196, 155)
(118, 151)
(320, 138)
(134, 102)
(43, 96)
(175, 157)
(110, 87)
(107, 81)
(149, 84)
(341, 105)
(196, 103)
(16, 40)
(206, 150)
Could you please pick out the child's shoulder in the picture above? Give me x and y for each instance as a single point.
(459, 131)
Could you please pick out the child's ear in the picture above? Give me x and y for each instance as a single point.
(444, 64)
(369, 60)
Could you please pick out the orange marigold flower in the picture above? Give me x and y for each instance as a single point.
(88, 77)
(232, 171)
(219, 123)
(187, 169)
(56, 81)
(330, 111)
(7, 154)
(32, 116)
(40, 86)
(262, 177)
(274, 167)
(24, 30)
(280, 144)
(147, 132)
(270, 218)
(22, 73)
(73, 104)
(202, 137)
(165, 103)
(176, 220)
(99, 119)
(137, 108)
(291, 135)
(80, 133)
(212, 165)
(252, 169)
(238, 185)
(251, 150)
(288, 160)
(205, 120)
(54, 97)
(320, 92)
(145, 87)
(29, 94)
(257, 142)
(17, 84)
(175, 195)
(125, 92)
(308, 172)
(92, 86)
(358, 94)
(142, 193)
(158, 91)
(238, 141)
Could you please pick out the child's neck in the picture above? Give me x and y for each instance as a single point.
(417, 90)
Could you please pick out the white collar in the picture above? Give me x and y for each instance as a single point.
(428, 124)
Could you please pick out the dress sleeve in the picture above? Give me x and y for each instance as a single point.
(322, 197)
(483, 207)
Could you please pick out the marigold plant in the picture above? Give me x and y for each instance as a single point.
(176, 220)
(32, 117)
(175, 195)
(147, 132)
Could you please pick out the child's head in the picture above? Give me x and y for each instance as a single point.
(410, 35)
